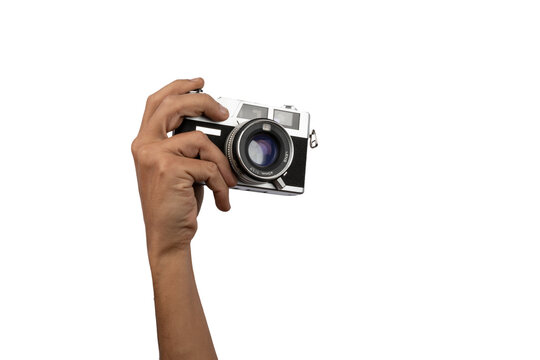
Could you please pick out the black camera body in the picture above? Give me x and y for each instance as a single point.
(266, 145)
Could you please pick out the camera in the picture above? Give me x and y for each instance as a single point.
(266, 145)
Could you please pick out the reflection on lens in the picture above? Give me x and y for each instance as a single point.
(263, 150)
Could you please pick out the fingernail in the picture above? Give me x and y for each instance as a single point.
(223, 110)
(195, 79)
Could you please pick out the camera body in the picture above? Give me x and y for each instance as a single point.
(266, 145)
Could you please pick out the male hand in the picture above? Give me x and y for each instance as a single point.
(170, 170)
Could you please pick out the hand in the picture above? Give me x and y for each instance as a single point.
(168, 174)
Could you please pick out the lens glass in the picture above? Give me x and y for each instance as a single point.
(263, 149)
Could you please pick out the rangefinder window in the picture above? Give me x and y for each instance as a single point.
(253, 112)
(287, 119)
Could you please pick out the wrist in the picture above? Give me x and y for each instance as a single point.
(162, 244)
(164, 258)
(166, 249)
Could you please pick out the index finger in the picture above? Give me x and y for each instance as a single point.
(169, 115)
(176, 87)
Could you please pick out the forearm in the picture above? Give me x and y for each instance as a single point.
(182, 329)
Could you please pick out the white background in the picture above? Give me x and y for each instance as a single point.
(417, 236)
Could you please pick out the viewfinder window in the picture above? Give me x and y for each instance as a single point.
(287, 119)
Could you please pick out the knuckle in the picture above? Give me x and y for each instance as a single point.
(143, 154)
(134, 146)
(168, 100)
(212, 167)
(151, 100)
(200, 137)
(163, 166)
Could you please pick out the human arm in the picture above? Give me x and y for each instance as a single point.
(169, 174)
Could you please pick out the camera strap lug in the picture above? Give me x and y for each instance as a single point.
(313, 143)
(279, 183)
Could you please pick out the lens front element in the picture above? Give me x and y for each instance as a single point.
(263, 150)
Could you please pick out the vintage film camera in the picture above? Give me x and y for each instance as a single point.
(266, 145)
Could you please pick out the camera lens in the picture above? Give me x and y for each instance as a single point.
(263, 149)
(259, 150)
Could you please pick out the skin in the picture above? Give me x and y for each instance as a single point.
(170, 172)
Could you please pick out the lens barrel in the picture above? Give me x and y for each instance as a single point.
(259, 150)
